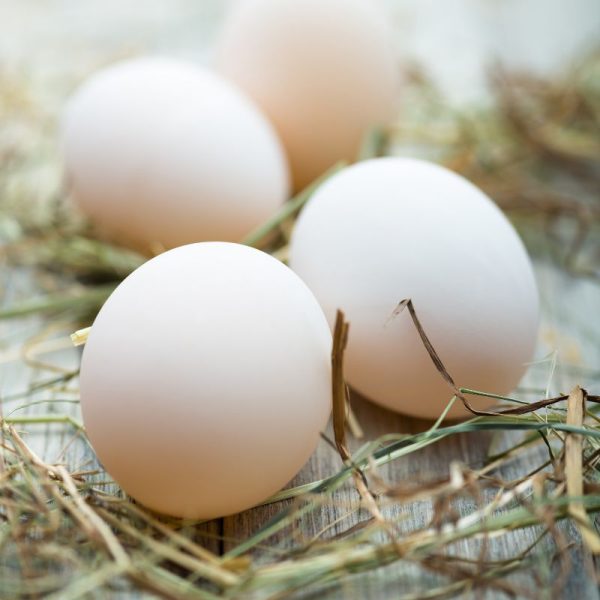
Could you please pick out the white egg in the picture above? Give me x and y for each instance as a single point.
(206, 379)
(389, 229)
(160, 152)
(324, 71)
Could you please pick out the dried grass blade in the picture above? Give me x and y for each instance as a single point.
(339, 388)
(290, 208)
(212, 572)
(97, 524)
(574, 469)
(79, 300)
(84, 585)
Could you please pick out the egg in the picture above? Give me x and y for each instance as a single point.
(324, 71)
(206, 379)
(161, 153)
(390, 229)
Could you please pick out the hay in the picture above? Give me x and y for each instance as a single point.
(68, 532)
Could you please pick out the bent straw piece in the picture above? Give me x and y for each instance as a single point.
(339, 388)
(289, 208)
(574, 469)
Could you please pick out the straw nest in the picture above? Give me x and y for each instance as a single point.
(67, 531)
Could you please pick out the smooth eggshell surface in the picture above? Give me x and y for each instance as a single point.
(390, 229)
(206, 381)
(161, 152)
(324, 71)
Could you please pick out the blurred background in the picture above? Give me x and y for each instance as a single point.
(455, 40)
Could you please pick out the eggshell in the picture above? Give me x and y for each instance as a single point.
(163, 152)
(393, 228)
(206, 379)
(324, 71)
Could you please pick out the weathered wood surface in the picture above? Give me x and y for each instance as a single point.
(570, 328)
